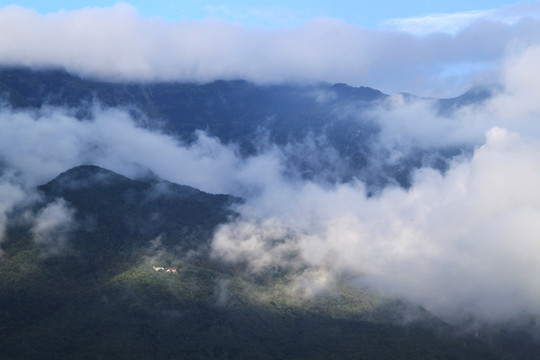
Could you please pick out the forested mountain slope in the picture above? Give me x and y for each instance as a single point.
(127, 275)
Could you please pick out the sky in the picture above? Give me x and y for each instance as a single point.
(280, 13)
(459, 242)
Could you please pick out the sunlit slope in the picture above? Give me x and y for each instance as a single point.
(111, 291)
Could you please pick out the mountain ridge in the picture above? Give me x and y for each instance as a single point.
(155, 207)
(333, 118)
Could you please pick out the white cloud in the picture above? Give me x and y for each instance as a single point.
(114, 43)
(453, 23)
(53, 226)
(44, 143)
(459, 243)
(453, 242)
(447, 23)
(522, 82)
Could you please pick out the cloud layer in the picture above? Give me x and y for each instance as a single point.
(115, 43)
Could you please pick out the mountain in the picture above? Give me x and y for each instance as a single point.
(134, 211)
(107, 294)
(320, 119)
(229, 110)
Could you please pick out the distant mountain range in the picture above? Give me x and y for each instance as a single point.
(253, 116)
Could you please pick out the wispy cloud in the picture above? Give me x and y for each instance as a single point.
(447, 23)
(53, 226)
(453, 23)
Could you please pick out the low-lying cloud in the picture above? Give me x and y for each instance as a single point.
(115, 43)
(463, 240)
(43, 143)
(53, 225)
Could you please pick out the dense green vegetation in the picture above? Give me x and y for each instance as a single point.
(101, 298)
(134, 312)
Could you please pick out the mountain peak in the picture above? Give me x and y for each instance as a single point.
(85, 176)
(138, 210)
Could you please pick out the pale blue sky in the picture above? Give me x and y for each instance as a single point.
(277, 13)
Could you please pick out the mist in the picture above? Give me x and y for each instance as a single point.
(52, 227)
(459, 240)
(465, 240)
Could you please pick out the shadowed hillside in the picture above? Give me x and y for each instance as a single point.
(100, 297)
(308, 119)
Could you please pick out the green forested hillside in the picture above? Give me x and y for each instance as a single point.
(100, 297)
